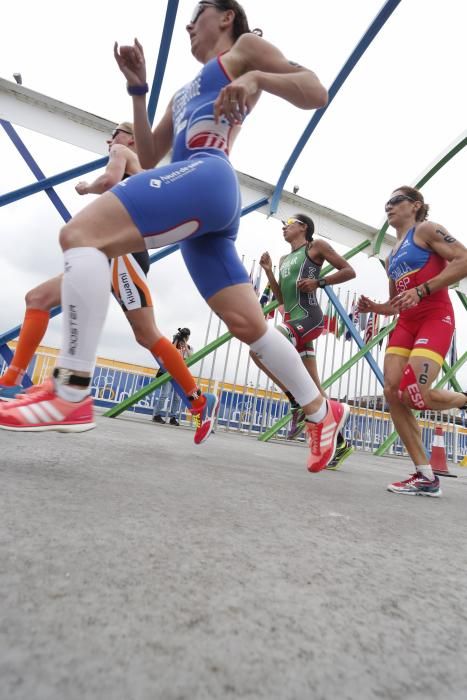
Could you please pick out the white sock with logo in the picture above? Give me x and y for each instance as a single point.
(85, 300)
(281, 358)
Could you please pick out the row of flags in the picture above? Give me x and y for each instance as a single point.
(367, 323)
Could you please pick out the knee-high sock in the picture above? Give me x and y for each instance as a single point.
(167, 355)
(281, 358)
(32, 331)
(178, 390)
(85, 300)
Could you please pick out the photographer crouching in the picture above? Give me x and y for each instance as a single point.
(169, 402)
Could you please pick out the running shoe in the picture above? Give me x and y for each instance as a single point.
(323, 436)
(297, 424)
(204, 418)
(41, 409)
(7, 393)
(417, 485)
(343, 450)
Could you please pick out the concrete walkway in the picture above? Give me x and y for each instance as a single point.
(136, 566)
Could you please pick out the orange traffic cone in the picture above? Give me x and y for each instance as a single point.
(438, 454)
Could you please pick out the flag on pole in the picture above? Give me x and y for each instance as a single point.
(371, 327)
(266, 297)
(255, 277)
(331, 321)
(354, 316)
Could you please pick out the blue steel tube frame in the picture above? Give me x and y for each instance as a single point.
(47, 183)
(354, 333)
(379, 21)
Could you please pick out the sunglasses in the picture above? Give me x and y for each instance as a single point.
(199, 9)
(115, 132)
(289, 222)
(397, 199)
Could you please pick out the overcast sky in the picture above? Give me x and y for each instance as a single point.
(404, 104)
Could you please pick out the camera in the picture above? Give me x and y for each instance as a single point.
(181, 336)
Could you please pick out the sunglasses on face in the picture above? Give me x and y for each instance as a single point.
(115, 132)
(289, 222)
(199, 9)
(397, 199)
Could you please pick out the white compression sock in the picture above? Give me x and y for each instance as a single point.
(281, 358)
(85, 300)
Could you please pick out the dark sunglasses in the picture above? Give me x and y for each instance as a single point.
(397, 199)
(199, 9)
(117, 131)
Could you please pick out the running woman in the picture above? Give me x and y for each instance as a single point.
(425, 260)
(129, 286)
(299, 279)
(194, 200)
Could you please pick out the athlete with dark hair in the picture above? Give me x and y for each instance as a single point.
(425, 260)
(299, 279)
(194, 200)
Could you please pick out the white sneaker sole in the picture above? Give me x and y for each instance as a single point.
(437, 494)
(72, 428)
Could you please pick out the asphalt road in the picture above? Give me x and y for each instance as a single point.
(136, 566)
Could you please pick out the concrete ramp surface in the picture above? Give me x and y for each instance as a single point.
(136, 566)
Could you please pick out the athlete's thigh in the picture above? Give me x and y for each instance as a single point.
(213, 263)
(426, 369)
(104, 224)
(182, 200)
(129, 282)
(434, 338)
(393, 369)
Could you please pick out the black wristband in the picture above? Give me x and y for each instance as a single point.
(137, 89)
(419, 292)
(428, 290)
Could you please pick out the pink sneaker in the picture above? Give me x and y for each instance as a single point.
(323, 436)
(205, 417)
(41, 409)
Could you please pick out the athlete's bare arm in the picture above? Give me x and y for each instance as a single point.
(122, 161)
(320, 251)
(436, 238)
(366, 304)
(266, 263)
(258, 65)
(151, 146)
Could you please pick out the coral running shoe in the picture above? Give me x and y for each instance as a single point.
(41, 409)
(204, 418)
(323, 436)
(417, 485)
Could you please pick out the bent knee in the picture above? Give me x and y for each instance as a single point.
(244, 329)
(391, 392)
(72, 236)
(36, 299)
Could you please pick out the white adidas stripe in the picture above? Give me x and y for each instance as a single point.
(45, 412)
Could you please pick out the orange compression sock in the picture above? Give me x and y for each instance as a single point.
(167, 354)
(32, 331)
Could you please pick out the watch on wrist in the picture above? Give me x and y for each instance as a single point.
(322, 282)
